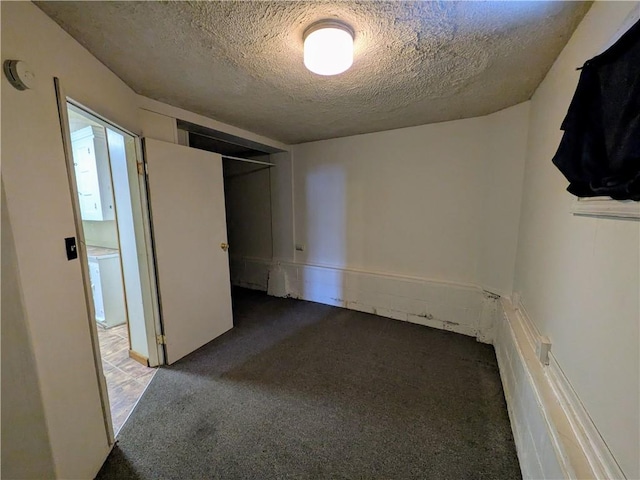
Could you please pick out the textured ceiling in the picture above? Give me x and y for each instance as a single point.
(241, 62)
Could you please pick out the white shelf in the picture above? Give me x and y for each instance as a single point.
(606, 207)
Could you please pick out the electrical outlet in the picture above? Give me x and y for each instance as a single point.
(543, 346)
(515, 300)
(300, 247)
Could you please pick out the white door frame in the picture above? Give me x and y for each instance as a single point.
(156, 350)
(156, 354)
(84, 262)
(158, 329)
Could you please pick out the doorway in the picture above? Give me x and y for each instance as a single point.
(116, 247)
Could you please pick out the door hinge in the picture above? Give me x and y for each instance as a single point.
(142, 168)
(161, 340)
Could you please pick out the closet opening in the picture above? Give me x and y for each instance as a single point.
(247, 171)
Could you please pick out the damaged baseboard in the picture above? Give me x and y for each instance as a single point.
(554, 435)
(250, 272)
(457, 307)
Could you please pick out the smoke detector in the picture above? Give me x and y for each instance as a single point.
(19, 74)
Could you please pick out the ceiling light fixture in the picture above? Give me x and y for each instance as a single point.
(328, 47)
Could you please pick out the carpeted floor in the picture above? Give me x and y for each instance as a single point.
(306, 391)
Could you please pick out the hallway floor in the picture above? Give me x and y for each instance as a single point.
(126, 378)
(303, 390)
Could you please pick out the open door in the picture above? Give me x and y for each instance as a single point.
(186, 196)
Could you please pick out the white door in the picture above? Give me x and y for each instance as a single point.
(186, 195)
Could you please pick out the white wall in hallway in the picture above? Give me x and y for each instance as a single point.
(101, 233)
(580, 277)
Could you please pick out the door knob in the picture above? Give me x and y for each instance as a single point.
(224, 246)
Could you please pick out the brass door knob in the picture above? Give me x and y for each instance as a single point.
(224, 246)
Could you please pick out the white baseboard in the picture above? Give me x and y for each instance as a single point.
(555, 438)
(249, 272)
(461, 308)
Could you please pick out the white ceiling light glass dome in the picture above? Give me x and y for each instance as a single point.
(328, 47)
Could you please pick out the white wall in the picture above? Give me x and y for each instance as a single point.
(101, 233)
(25, 440)
(39, 208)
(436, 202)
(501, 198)
(579, 276)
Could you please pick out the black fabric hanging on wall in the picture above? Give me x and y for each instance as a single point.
(600, 149)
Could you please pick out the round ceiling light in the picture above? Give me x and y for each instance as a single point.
(328, 47)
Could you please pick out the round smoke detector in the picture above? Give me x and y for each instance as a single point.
(19, 74)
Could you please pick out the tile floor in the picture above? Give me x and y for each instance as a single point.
(126, 378)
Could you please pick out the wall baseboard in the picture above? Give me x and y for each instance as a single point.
(457, 307)
(555, 438)
(249, 272)
(139, 358)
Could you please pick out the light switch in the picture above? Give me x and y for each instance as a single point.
(71, 247)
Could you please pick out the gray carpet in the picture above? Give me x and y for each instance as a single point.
(301, 390)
